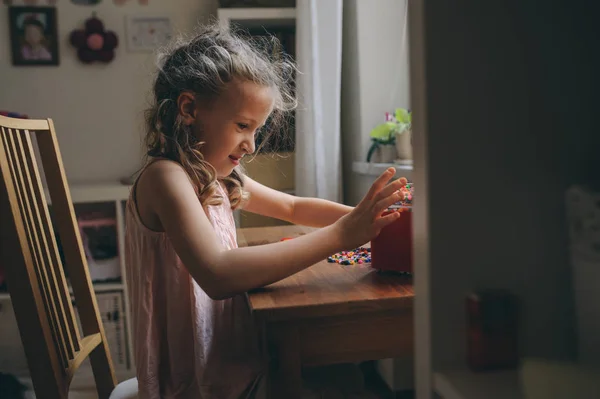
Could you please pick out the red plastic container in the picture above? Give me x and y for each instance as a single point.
(492, 330)
(2, 276)
(392, 249)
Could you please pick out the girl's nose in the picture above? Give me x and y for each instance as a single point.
(249, 146)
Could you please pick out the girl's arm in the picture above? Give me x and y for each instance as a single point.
(313, 212)
(168, 193)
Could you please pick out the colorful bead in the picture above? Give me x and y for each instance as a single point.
(407, 192)
(359, 255)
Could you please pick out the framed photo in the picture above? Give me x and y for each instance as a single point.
(33, 35)
(147, 33)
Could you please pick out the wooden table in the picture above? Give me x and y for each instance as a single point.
(328, 314)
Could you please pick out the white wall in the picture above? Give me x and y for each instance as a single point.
(97, 109)
(374, 68)
(375, 79)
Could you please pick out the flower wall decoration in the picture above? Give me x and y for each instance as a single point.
(94, 43)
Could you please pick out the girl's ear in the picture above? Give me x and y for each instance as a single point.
(186, 107)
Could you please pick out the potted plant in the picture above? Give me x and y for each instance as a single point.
(392, 139)
(403, 133)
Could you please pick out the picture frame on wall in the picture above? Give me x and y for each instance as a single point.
(33, 36)
(147, 33)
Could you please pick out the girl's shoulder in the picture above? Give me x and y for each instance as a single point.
(162, 163)
(159, 184)
(153, 173)
(161, 174)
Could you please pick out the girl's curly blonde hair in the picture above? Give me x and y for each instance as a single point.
(204, 64)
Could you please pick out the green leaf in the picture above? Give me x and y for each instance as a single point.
(383, 131)
(402, 127)
(402, 115)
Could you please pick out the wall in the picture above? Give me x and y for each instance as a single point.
(374, 80)
(97, 109)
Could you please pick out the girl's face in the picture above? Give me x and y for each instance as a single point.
(228, 126)
(33, 35)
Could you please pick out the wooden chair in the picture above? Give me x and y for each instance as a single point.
(53, 344)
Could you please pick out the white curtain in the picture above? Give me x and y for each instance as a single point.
(319, 55)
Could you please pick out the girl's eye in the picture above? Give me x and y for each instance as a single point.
(243, 126)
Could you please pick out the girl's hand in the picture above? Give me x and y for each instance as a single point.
(365, 222)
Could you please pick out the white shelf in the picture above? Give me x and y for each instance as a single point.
(98, 287)
(101, 192)
(466, 384)
(375, 169)
(248, 17)
(105, 287)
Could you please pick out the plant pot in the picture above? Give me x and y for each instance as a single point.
(404, 145)
(384, 153)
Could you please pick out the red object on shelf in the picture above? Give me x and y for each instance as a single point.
(492, 341)
(2, 277)
(97, 223)
(392, 249)
(13, 114)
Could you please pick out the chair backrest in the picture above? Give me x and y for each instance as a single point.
(40, 295)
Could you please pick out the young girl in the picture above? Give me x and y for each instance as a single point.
(193, 332)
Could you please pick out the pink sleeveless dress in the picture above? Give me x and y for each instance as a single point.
(187, 345)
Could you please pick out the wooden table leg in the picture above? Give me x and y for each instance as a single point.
(286, 364)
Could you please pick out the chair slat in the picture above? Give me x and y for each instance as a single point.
(27, 205)
(58, 281)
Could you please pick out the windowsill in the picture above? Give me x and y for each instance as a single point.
(375, 169)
